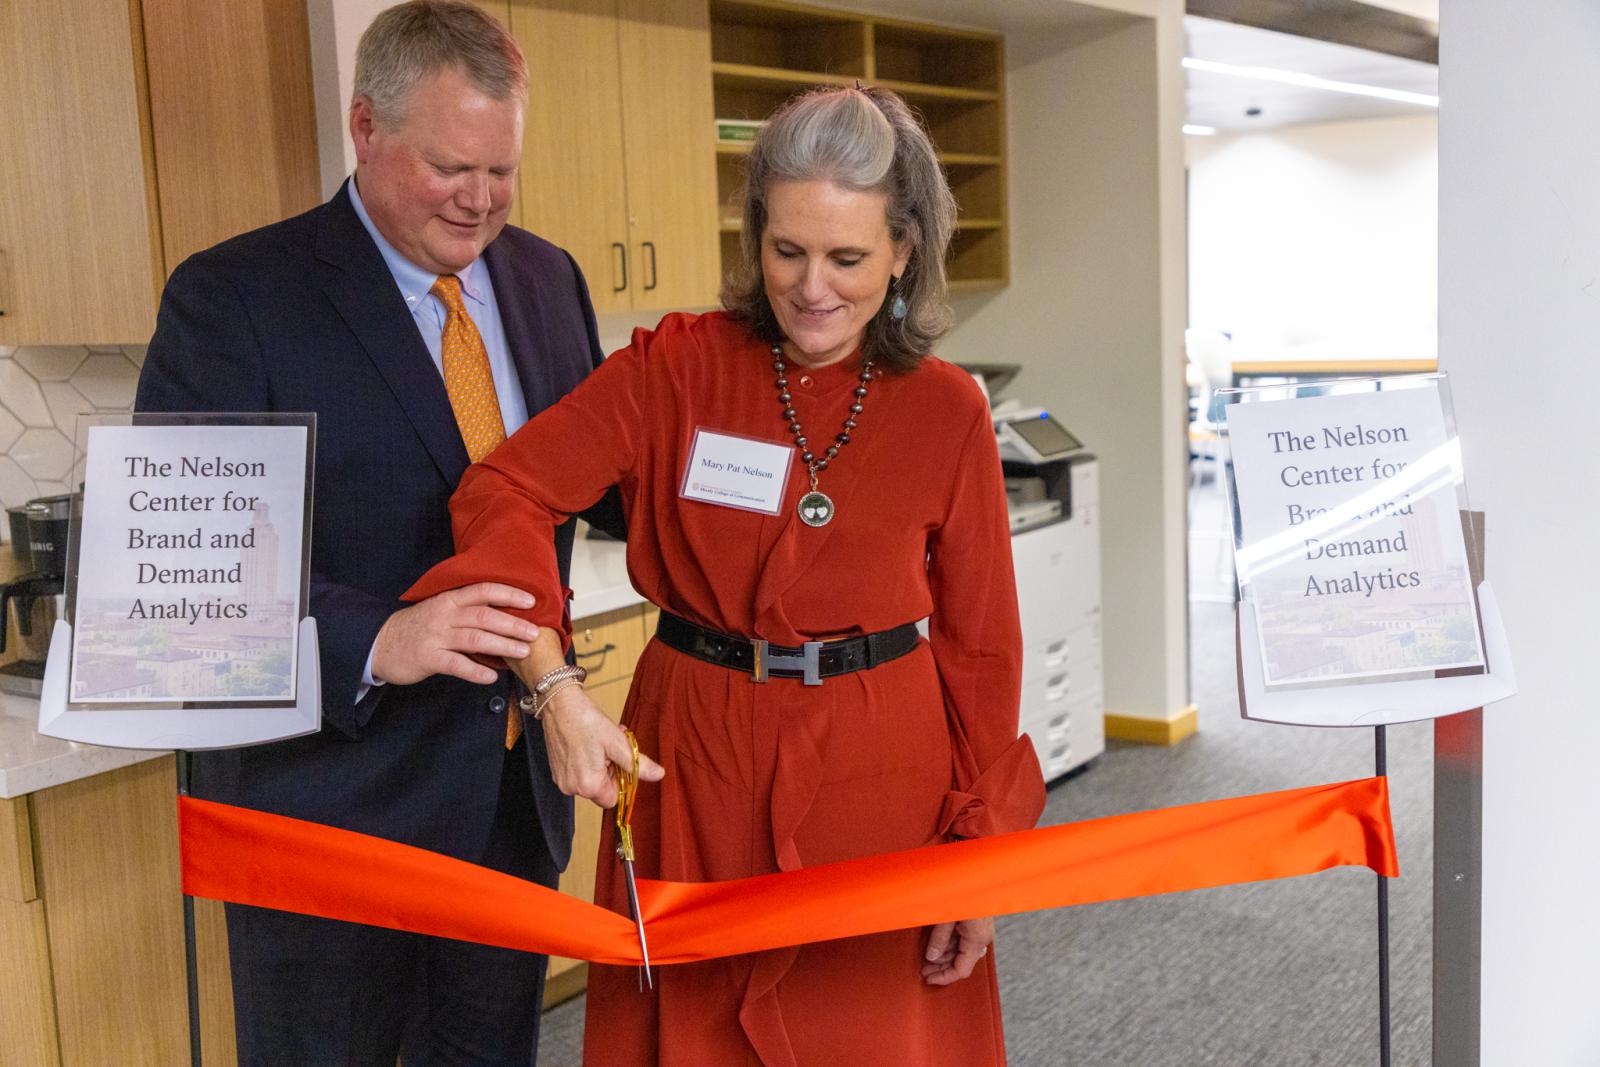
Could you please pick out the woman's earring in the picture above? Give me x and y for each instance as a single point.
(898, 309)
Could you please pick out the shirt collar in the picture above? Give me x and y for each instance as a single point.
(414, 282)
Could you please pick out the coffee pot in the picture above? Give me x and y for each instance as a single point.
(34, 601)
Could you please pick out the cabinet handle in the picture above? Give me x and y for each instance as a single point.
(620, 247)
(601, 652)
(651, 245)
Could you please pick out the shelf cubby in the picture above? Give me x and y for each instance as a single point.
(764, 52)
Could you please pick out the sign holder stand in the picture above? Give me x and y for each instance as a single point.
(1380, 704)
(174, 719)
(191, 959)
(1423, 692)
(1380, 754)
(182, 727)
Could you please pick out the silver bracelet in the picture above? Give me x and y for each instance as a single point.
(550, 694)
(535, 702)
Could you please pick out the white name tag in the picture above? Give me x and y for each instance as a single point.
(737, 472)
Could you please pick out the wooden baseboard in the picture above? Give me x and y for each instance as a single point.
(1153, 731)
(566, 985)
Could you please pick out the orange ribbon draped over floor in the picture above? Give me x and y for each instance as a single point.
(250, 857)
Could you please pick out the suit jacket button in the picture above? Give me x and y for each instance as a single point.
(497, 705)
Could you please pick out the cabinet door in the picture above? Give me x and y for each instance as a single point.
(108, 871)
(667, 118)
(572, 184)
(235, 138)
(79, 257)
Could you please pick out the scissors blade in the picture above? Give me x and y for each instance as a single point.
(638, 920)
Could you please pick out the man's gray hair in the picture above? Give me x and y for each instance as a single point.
(408, 42)
(866, 139)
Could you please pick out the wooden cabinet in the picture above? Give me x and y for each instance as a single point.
(80, 251)
(764, 52)
(91, 927)
(27, 997)
(617, 165)
(137, 132)
(664, 48)
(232, 118)
(621, 165)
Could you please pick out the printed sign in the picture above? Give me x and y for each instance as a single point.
(189, 572)
(1349, 535)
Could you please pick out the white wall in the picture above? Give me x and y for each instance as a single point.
(1094, 311)
(335, 27)
(1317, 239)
(1519, 320)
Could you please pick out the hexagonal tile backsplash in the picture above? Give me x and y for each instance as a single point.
(42, 391)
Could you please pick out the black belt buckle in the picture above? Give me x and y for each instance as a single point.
(808, 662)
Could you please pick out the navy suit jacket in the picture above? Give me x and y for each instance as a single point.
(303, 315)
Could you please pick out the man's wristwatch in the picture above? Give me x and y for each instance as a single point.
(546, 687)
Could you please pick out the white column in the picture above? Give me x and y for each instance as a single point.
(335, 27)
(1519, 244)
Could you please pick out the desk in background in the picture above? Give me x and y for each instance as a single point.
(1252, 372)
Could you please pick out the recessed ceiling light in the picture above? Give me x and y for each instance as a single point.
(1309, 81)
(1199, 131)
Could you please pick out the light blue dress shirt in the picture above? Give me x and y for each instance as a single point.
(429, 313)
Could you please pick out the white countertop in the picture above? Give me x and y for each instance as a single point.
(30, 762)
(600, 577)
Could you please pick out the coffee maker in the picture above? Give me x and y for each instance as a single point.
(31, 603)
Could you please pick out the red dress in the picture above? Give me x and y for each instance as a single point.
(762, 778)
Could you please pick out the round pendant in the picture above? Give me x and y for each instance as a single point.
(816, 509)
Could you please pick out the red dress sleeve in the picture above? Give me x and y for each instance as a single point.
(977, 643)
(506, 509)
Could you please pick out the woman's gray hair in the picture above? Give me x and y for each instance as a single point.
(410, 41)
(865, 139)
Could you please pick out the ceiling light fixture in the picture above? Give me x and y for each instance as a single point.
(1309, 81)
(1199, 131)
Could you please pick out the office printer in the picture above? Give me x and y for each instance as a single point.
(1053, 498)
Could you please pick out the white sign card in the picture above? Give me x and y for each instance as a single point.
(1349, 538)
(737, 472)
(189, 582)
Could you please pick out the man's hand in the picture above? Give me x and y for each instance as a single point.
(954, 949)
(437, 635)
(584, 745)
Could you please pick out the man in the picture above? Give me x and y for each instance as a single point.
(421, 330)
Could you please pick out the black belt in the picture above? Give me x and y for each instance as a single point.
(813, 661)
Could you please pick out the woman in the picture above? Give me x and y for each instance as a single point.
(891, 510)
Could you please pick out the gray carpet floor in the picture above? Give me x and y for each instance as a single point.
(1277, 973)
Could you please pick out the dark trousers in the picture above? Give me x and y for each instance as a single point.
(312, 992)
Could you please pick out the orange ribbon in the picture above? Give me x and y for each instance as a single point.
(251, 857)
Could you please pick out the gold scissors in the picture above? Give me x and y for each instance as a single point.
(627, 792)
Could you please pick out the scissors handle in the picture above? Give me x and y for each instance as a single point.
(627, 791)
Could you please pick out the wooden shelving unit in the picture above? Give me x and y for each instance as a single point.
(765, 51)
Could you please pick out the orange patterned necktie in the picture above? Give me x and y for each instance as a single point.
(466, 374)
(470, 383)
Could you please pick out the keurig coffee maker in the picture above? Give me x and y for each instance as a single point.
(31, 604)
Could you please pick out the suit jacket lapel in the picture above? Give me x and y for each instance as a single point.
(364, 293)
(516, 293)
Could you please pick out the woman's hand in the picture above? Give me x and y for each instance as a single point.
(954, 949)
(584, 745)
